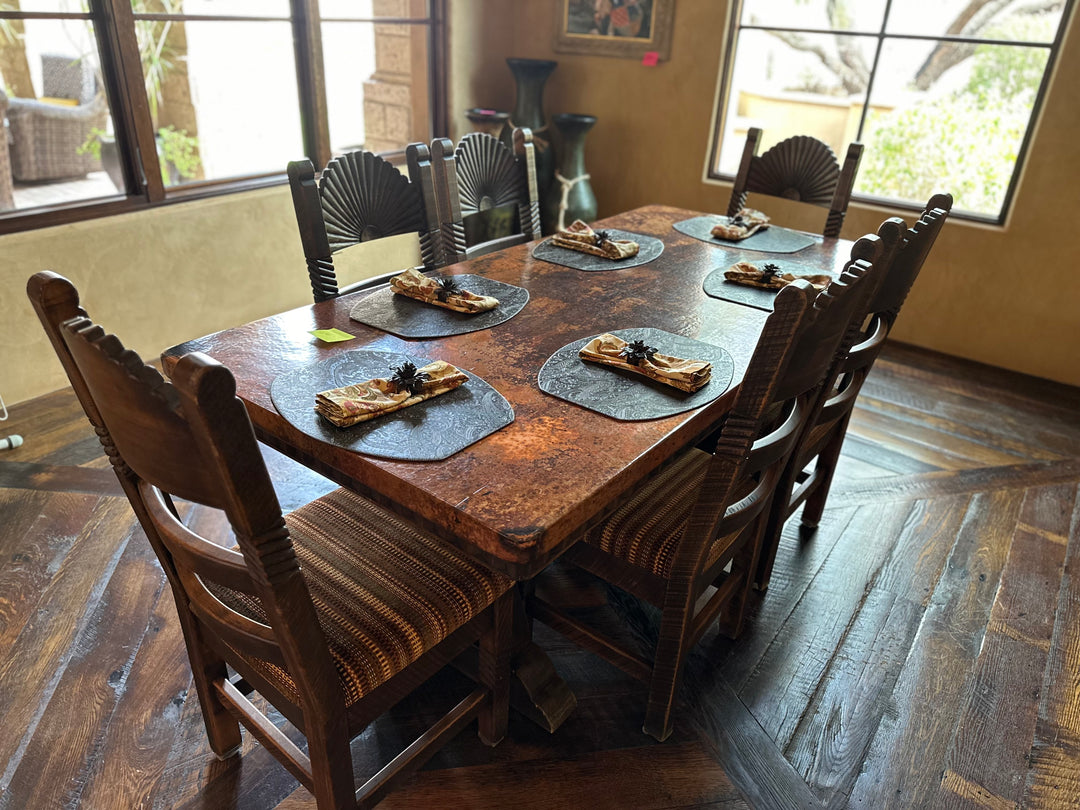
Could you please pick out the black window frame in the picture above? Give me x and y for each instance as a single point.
(724, 88)
(114, 29)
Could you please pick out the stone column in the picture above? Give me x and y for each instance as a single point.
(395, 97)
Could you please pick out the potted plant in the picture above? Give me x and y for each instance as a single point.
(178, 154)
(100, 145)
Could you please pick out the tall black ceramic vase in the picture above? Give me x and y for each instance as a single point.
(530, 75)
(571, 195)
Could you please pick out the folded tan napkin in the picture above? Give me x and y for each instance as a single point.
(584, 239)
(686, 375)
(745, 223)
(359, 402)
(443, 292)
(769, 277)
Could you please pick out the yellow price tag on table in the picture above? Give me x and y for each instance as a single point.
(331, 335)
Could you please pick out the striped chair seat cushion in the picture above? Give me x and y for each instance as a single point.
(646, 530)
(385, 591)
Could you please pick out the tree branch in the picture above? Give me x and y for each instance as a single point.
(851, 81)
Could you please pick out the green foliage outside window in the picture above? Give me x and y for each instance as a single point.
(968, 140)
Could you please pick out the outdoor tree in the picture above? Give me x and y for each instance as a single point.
(964, 135)
(850, 71)
(968, 140)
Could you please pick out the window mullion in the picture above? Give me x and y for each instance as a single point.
(311, 80)
(873, 69)
(131, 116)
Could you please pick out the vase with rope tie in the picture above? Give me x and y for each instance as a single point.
(571, 195)
(530, 76)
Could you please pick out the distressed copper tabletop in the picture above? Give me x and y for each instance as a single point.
(519, 496)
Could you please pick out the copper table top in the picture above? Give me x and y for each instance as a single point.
(517, 498)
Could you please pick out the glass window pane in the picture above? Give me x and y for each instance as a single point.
(232, 8)
(962, 134)
(46, 6)
(837, 15)
(376, 85)
(58, 141)
(369, 9)
(786, 89)
(1013, 21)
(223, 97)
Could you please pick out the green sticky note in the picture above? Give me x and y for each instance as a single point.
(331, 335)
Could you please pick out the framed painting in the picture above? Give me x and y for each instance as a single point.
(629, 28)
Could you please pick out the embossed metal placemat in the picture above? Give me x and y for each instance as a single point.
(717, 286)
(428, 431)
(408, 318)
(770, 240)
(626, 395)
(649, 247)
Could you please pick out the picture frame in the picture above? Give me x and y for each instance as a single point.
(624, 28)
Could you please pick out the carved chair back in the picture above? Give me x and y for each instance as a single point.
(908, 249)
(904, 252)
(799, 168)
(192, 440)
(360, 197)
(483, 174)
(791, 364)
(719, 543)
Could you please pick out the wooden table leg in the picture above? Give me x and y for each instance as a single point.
(536, 690)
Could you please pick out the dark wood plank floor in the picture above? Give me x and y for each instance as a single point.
(922, 649)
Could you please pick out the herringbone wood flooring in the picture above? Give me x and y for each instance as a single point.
(921, 649)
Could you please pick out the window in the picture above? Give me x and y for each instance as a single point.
(942, 93)
(110, 105)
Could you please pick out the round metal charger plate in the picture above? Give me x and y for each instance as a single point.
(626, 395)
(428, 431)
(649, 247)
(408, 318)
(773, 239)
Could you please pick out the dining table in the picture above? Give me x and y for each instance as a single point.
(517, 498)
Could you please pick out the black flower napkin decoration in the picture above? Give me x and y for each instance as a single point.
(407, 378)
(635, 351)
(600, 237)
(447, 286)
(737, 220)
(769, 271)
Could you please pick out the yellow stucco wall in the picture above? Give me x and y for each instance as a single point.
(1006, 296)
(161, 276)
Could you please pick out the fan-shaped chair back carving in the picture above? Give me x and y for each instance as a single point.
(360, 197)
(482, 174)
(253, 606)
(813, 463)
(698, 522)
(800, 168)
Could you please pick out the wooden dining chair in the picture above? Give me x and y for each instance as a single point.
(480, 175)
(687, 540)
(800, 168)
(813, 463)
(332, 613)
(360, 197)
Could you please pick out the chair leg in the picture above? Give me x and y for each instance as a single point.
(667, 672)
(494, 670)
(222, 729)
(824, 469)
(744, 565)
(774, 526)
(331, 767)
